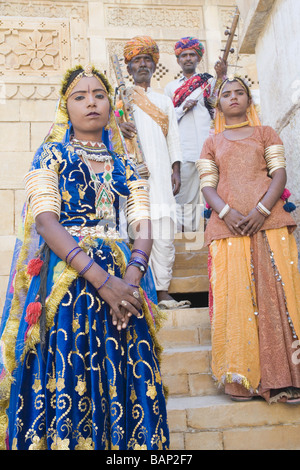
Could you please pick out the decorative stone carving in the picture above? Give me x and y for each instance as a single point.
(153, 17)
(41, 38)
(34, 46)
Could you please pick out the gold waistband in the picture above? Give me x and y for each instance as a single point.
(97, 231)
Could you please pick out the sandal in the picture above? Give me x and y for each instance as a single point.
(240, 399)
(173, 304)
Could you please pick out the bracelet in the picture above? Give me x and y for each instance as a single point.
(75, 254)
(224, 211)
(138, 265)
(133, 285)
(141, 253)
(263, 210)
(108, 276)
(76, 248)
(139, 260)
(87, 267)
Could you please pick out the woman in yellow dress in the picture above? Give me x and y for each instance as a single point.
(253, 259)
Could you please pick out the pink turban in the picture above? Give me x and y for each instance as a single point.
(189, 43)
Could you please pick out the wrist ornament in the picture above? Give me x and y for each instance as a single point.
(87, 267)
(224, 211)
(139, 263)
(103, 284)
(263, 210)
(74, 252)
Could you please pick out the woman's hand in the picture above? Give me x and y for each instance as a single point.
(252, 223)
(234, 221)
(123, 299)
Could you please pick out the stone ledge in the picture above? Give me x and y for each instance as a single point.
(254, 22)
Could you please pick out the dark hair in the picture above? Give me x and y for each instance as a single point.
(72, 74)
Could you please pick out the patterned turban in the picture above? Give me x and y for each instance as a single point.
(189, 43)
(141, 45)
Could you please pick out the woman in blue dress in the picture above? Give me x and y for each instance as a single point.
(79, 356)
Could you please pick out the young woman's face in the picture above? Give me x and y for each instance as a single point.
(88, 107)
(234, 100)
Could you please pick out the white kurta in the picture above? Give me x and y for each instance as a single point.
(194, 127)
(160, 154)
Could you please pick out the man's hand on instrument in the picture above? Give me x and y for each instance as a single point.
(128, 130)
(221, 68)
(189, 105)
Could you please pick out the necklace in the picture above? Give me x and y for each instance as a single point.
(95, 151)
(237, 126)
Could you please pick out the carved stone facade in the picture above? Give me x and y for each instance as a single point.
(40, 39)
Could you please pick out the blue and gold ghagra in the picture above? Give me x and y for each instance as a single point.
(91, 387)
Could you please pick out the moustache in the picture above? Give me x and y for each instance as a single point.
(144, 69)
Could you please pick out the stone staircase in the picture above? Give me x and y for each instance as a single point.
(200, 416)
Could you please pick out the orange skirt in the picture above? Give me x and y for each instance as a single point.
(255, 313)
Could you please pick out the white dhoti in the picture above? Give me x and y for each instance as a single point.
(188, 199)
(163, 252)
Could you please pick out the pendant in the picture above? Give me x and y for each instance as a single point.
(104, 200)
(104, 203)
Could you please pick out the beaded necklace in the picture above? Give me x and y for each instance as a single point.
(97, 151)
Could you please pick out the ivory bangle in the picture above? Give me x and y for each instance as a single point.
(224, 211)
(263, 210)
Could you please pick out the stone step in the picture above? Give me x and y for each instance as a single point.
(185, 327)
(186, 317)
(193, 336)
(216, 423)
(187, 360)
(182, 285)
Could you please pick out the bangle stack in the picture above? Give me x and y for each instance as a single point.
(275, 158)
(76, 250)
(42, 191)
(224, 211)
(87, 267)
(139, 262)
(138, 203)
(263, 210)
(208, 173)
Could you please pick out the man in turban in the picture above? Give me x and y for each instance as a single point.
(157, 129)
(192, 95)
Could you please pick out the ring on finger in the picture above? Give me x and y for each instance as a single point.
(124, 303)
(136, 294)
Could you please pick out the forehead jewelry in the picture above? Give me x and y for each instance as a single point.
(87, 72)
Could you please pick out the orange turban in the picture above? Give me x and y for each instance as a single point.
(141, 45)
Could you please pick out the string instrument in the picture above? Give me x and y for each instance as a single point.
(129, 116)
(228, 48)
(231, 33)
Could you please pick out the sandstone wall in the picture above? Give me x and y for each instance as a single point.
(40, 39)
